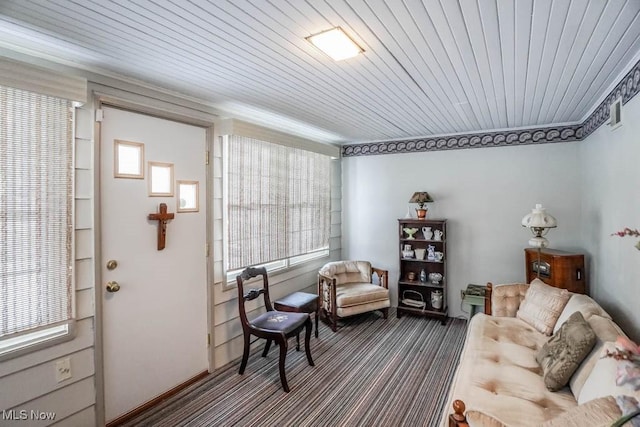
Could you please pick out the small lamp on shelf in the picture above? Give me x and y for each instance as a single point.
(421, 197)
(539, 222)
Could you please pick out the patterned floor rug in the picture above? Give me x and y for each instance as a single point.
(372, 372)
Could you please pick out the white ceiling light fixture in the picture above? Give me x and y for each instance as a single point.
(336, 44)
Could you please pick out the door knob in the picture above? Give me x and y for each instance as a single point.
(113, 287)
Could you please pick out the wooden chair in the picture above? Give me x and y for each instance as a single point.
(273, 325)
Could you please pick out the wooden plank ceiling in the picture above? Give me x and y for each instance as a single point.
(430, 67)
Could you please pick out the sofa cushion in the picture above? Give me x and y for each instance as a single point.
(498, 373)
(605, 330)
(565, 350)
(596, 413)
(480, 419)
(506, 299)
(602, 379)
(542, 305)
(582, 303)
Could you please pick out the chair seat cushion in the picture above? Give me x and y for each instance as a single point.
(297, 301)
(279, 321)
(351, 294)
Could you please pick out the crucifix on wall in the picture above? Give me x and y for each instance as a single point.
(162, 217)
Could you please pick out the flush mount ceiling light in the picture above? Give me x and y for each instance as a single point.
(336, 44)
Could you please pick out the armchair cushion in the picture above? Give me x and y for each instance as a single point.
(351, 294)
(348, 271)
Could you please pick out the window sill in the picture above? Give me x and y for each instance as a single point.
(35, 341)
(276, 275)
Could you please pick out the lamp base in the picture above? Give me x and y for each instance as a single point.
(538, 242)
(421, 213)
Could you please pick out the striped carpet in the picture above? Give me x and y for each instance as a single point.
(371, 372)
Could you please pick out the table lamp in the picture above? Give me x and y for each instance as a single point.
(421, 197)
(539, 222)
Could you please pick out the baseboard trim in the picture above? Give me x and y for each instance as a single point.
(140, 409)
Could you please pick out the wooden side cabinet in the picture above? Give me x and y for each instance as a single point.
(557, 268)
(422, 285)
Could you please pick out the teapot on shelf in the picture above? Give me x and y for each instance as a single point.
(438, 234)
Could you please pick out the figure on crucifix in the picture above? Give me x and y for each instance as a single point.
(162, 217)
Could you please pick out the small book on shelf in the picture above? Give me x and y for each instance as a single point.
(475, 290)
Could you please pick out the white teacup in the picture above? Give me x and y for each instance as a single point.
(439, 256)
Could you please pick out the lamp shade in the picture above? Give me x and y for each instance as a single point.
(420, 197)
(539, 222)
(539, 218)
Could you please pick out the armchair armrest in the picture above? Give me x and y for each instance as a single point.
(383, 275)
(505, 299)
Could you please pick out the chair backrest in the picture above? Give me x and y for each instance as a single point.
(348, 271)
(247, 274)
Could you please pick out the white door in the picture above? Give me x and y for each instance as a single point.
(155, 324)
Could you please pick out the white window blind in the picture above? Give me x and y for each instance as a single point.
(278, 200)
(36, 196)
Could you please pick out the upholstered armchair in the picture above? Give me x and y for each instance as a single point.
(346, 288)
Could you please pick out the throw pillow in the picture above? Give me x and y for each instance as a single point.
(602, 379)
(597, 413)
(542, 306)
(562, 354)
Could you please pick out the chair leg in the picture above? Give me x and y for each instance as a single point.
(317, 315)
(385, 312)
(307, 339)
(245, 354)
(298, 341)
(267, 346)
(283, 355)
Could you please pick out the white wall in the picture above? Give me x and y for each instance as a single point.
(610, 186)
(484, 193)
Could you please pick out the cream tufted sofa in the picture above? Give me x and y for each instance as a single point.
(498, 378)
(346, 288)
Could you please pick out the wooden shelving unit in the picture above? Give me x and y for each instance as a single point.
(411, 288)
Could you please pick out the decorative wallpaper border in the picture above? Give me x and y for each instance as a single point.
(627, 88)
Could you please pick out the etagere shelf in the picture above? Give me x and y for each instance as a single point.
(422, 284)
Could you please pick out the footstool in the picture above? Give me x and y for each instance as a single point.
(299, 302)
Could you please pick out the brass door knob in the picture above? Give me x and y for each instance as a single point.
(113, 287)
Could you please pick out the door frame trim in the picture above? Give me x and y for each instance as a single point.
(106, 96)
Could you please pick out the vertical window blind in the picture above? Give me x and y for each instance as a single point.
(36, 202)
(278, 200)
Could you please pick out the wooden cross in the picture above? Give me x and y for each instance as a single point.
(162, 218)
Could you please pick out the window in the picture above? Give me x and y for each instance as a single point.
(36, 226)
(278, 201)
